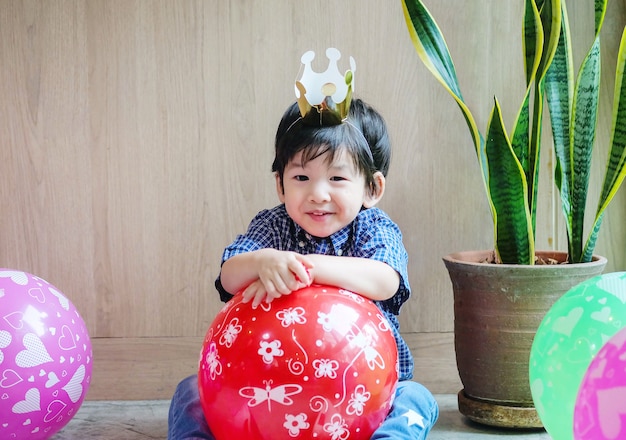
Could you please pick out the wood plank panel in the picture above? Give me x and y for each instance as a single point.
(137, 142)
(141, 368)
(45, 174)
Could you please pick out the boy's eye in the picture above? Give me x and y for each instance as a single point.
(337, 178)
(301, 178)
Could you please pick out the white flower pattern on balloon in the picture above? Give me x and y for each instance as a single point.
(326, 368)
(340, 318)
(294, 423)
(357, 298)
(373, 357)
(337, 428)
(292, 315)
(357, 401)
(324, 319)
(212, 360)
(233, 328)
(269, 350)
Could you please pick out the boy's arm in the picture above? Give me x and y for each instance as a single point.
(371, 278)
(266, 274)
(280, 272)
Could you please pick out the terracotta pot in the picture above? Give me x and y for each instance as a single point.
(497, 310)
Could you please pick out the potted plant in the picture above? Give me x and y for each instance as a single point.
(496, 319)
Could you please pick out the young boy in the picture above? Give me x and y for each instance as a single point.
(326, 230)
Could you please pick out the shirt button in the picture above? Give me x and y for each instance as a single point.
(301, 244)
(340, 252)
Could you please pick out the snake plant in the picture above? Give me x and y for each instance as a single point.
(510, 163)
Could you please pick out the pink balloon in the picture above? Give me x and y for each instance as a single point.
(45, 357)
(319, 363)
(600, 410)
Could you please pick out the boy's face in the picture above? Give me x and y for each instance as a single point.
(322, 196)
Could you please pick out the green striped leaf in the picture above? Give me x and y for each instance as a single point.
(432, 49)
(510, 168)
(599, 13)
(559, 91)
(508, 189)
(532, 40)
(538, 51)
(434, 53)
(521, 133)
(551, 24)
(584, 121)
(616, 163)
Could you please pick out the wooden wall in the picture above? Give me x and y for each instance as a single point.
(137, 140)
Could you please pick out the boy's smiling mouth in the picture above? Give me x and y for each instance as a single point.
(319, 213)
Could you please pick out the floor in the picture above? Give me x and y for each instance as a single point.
(148, 420)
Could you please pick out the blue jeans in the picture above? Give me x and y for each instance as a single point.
(413, 413)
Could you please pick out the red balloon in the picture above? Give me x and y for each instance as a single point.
(320, 363)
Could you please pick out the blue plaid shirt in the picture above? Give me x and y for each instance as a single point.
(371, 235)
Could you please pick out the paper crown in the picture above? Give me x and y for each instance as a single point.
(324, 98)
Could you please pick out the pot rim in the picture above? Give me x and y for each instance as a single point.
(477, 258)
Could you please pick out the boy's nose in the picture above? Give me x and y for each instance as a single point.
(320, 193)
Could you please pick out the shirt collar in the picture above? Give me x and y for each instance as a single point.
(337, 240)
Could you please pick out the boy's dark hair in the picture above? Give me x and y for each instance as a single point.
(363, 135)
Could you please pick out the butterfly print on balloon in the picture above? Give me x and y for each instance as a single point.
(279, 394)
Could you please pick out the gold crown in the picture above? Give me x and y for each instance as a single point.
(324, 98)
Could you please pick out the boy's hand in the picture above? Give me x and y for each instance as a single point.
(255, 292)
(280, 273)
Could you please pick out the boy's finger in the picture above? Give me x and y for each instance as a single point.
(258, 299)
(246, 296)
(251, 292)
(302, 275)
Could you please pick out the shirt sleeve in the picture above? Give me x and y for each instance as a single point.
(382, 241)
(258, 236)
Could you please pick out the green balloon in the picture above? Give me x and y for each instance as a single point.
(572, 332)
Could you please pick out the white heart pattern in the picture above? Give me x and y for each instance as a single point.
(53, 379)
(17, 277)
(66, 341)
(54, 409)
(611, 411)
(74, 387)
(15, 320)
(614, 283)
(65, 303)
(10, 378)
(5, 340)
(35, 353)
(37, 293)
(31, 402)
